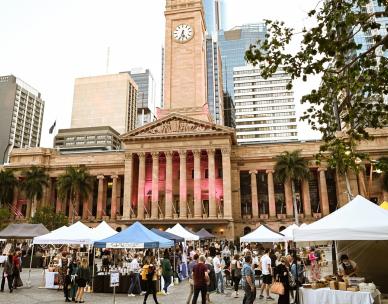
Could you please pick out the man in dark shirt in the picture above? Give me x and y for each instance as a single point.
(200, 277)
(190, 272)
(212, 250)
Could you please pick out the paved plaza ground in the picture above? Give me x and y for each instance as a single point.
(35, 295)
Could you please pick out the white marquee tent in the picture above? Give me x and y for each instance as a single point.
(289, 232)
(50, 237)
(358, 220)
(182, 232)
(103, 231)
(263, 234)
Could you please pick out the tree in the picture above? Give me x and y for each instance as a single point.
(4, 217)
(34, 180)
(354, 81)
(7, 184)
(75, 184)
(382, 165)
(290, 166)
(49, 218)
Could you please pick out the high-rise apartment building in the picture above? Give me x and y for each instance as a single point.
(107, 100)
(145, 95)
(265, 109)
(21, 115)
(233, 44)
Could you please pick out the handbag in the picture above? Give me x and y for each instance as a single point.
(277, 288)
(291, 280)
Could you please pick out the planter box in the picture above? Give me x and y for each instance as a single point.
(317, 215)
(264, 216)
(91, 218)
(119, 217)
(220, 215)
(175, 215)
(281, 216)
(301, 216)
(147, 216)
(205, 215)
(105, 218)
(247, 217)
(190, 215)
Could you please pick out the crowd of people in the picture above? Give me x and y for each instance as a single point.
(12, 267)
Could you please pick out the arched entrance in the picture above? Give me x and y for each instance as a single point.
(247, 230)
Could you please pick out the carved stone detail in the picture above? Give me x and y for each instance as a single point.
(175, 126)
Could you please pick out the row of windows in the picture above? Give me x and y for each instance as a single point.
(252, 78)
(264, 95)
(266, 115)
(273, 128)
(287, 134)
(261, 102)
(251, 71)
(259, 83)
(265, 109)
(265, 89)
(266, 122)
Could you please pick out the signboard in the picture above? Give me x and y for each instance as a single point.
(114, 279)
(125, 245)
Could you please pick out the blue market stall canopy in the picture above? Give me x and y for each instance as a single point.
(168, 235)
(205, 235)
(135, 236)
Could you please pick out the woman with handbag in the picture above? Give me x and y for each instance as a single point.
(235, 267)
(282, 276)
(83, 277)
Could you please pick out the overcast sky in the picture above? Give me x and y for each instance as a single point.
(49, 43)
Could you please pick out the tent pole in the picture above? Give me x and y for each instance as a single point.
(29, 272)
(334, 254)
(94, 255)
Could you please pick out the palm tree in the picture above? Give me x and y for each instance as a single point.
(34, 180)
(8, 182)
(290, 166)
(75, 184)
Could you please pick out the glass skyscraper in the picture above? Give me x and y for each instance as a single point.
(214, 15)
(233, 44)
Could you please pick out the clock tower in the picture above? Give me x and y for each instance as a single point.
(185, 60)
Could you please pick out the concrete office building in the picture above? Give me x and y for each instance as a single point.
(265, 109)
(21, 115)
(233, 44)
(106, 100)
(145, 95)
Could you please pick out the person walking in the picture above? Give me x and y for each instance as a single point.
(235, 267)
(248, 281)
(73, 269)
(166, 272)
(151, 276)
(201, 279)
(315, 269)
(16, 269)
(134, 269)
(266, 270)
(7, 273)
(282, 276)
(83, 277)
(218, 267)
(190, 273)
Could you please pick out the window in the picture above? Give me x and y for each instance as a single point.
(206, 173)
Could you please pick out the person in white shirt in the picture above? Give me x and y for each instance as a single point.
(267, 274)
(218, 271)
(134, 268)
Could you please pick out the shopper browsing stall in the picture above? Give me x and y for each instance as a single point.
(347, 267)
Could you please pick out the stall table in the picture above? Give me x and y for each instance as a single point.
(330, 296)
(50, 279)
(101, 284)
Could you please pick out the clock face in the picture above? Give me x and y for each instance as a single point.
(183, 33)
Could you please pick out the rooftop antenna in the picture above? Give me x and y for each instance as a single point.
(107, 60)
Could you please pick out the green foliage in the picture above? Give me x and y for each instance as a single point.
(7, 184)
(290, 165)
(75, 183)
(4, 217)
(353, 84)
(48, 217)
(34, 180)
(382, 165)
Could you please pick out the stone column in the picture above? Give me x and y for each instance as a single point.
(140, 191)
(254, 197)
(118, 197)
(361, 183)
(271, 194)
(182, 185)
(87, 204)
(227, 182)
(324, 199)
(212, 184)
(104, 197)
(169, 194)
(306, 198)
(288, 198)
(155, 185)
(113, 202)
(197, 184)
(128, 184)
(100, 196)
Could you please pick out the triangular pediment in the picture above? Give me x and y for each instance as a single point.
(177, 125)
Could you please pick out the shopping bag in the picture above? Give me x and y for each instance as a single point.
(277, 288)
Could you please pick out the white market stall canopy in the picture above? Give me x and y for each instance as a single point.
(263, 234)
(77, 233)
(289, 231)
(182, 232)
(103, 231)
(358, 220)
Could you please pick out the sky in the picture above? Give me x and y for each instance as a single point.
(49, 43)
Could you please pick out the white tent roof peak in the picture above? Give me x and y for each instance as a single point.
(289, 231)
(263, 234)
(358, 220)
(103, 231)
(179, 230)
